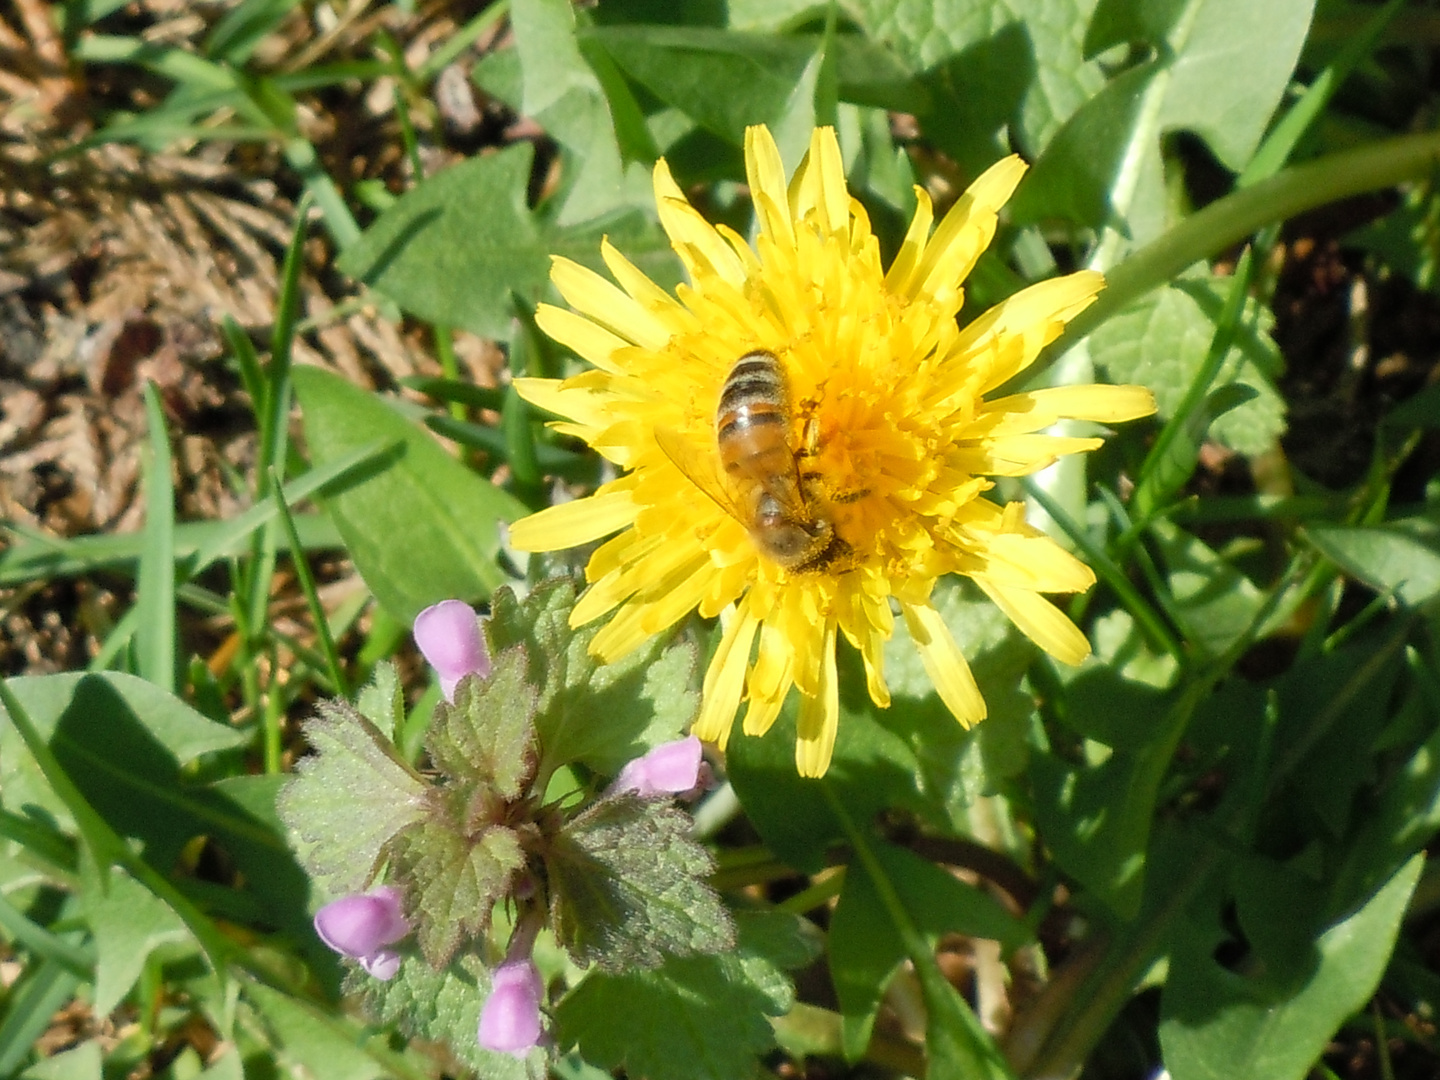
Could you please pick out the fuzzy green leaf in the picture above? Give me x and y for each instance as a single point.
(453, 878)
(1161, 341)
(348, 798)
(602, 715)
(443, 1006)
(382, 701)
(695, 1018)
(488, 736)
(628, 886)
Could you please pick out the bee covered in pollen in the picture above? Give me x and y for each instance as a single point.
(761, 483)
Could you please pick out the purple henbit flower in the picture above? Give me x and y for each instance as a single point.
(510, 1020)
(448, 634)
(673, 768)
(361, 926)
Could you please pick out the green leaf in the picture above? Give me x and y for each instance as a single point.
(382, 699)
(1161, 341)
(308, 1041)
(123, 742)
(563, 95)
(627, 886)
(1214, 602)
(600, 714)
(1217, 1024)
(866, 948)
(411, 253)
(1039, 38)
(81, 1062)
(1230, 71)
(155, 582)
(453, 874)
(128, 923)
(443, 1006)
(348, 799)
(488, 736)
(1400, 557)
(726, 80)
(694, 1018)
(421, 527)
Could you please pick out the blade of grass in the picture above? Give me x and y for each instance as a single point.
(155, 581)
(32, 1006)
(462, 39)
(74, 958)
(456, 391)
(312, 597)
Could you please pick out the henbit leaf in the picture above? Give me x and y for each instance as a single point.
(488, 736)
(602, 715)
(1161, 341)
(421, 527)
(348, 799)
(382, 700)
(694, 1018)
(1217, 1024)
(443, 1006)
(627, 886)
(866, 949)
(1401, 556)
(128, 922)
(452, 877)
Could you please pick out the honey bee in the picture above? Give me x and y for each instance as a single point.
(763, 486)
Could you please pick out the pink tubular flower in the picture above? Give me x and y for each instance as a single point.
(510, 1018)
(672, 768)
(448, 634)
(361, 926)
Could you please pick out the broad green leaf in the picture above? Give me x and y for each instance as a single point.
(1122, 22)
(443, 1006)
(694, 1018)
(565, 97)
(454, 873)
(421, 527)
(81, 1062)
(308, 1041)
(644, 699)
(726, 80)
(123, 742)
(1040, 38)
(348, 799)
(1161, 341)
(1214, 602)
(457, 248)
(1401, 557)
(866, 949)
(1217, 1024)
(488, 736)
(628, 886)
(1231, 67)
(128, 923)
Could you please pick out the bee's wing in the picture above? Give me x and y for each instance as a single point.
(698, 469)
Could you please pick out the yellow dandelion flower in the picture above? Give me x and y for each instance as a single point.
(807, 445)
